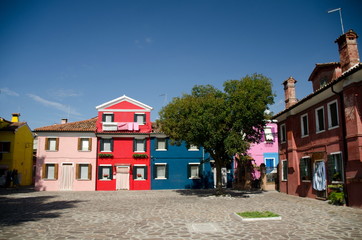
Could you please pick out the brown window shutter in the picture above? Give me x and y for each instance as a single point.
(57, 144)
(79, 144)
(46, 143)
(90, 171)
(43, 171)
(56, 171)
(77, 169)
(90, 144)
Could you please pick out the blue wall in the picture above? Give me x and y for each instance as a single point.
(177, 159)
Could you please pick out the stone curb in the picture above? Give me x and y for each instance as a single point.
(237, 217)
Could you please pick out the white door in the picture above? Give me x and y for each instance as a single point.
(122, 178)
(67, 177)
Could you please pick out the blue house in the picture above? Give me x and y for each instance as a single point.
(179, 167)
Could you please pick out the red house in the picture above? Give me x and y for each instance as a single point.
(123, 137)
(320, 142)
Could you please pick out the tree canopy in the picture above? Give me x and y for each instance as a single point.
(223, 122)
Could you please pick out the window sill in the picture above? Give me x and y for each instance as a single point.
(140, 179)
(82, 180)
(337, 182)
(320, 131)
(161, 150)
(284, 180)
(307, 181)
(305, 136)
(330, 128)
(160, 178)
(84, 150)
(193, 150)
(194, 178)
(45, 179)
(105, 179)
(51, 150)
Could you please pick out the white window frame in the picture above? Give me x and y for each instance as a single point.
(198, 170)
(110, 173)
(193, 148)
(111, 142)
(304, 132)
(157, 147)
(161, 164)
(268, 133)
(144, 167)
(330, 116)
(342, 167)
(283, 133)
(47, 171)
(105, 117)
(50, 139)
(81, 139)
(284, 178)
(80, 171)
(317, 127)
(144, 116)
(138, 140)
(309, 169)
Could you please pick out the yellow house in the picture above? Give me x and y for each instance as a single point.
(16, 149)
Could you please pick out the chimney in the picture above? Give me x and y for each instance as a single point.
(289, 91)
(15, 117)
(64, 121)
(348, 51)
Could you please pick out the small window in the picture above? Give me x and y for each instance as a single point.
(161, 144)
(160, 171)
(4, 147)
(50, 171)
(84, 144)
(304, 125)
(332, 115)
(193, 148)
(139, 145)
(52, 144)
(194, 170)
(140, 118)
(84, 171)
(335, 167)
(108, 117)
(106, 145)
(140, 172)
(283, 133)
(305, 168)
(319, 113)
(105, 173)
(284, 170)
(268, 134)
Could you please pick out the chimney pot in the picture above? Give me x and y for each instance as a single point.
(348, 50)
(64, 120)
(15, 117)
(289, 91)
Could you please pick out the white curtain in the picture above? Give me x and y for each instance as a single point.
(319, 177)
(67, 177)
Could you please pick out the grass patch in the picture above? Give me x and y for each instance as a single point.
(257, 214)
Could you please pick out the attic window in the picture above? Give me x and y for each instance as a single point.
(323, 82)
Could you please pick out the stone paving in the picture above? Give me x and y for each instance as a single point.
(170, 214)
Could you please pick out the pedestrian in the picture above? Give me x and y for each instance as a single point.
(8, 179)
(15, 178)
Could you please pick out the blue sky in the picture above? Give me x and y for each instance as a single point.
(61, 59)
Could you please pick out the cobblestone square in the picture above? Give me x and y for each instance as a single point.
(170, 214)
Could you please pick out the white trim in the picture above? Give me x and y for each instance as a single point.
(302, 130)
(105, 165)
(329, 115)
(121, 99)
(139, 165)
(334, 153)
(269, 158)
(317, 120)
(67, 163)
(162, 164)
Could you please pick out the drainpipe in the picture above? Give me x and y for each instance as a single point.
(345, 148)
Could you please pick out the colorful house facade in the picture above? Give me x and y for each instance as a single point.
(16, 149)
(123, 140)
(178, 167)
(321, 135)
(66, 156)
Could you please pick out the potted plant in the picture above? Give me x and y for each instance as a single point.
(336, 196)
(142, 156)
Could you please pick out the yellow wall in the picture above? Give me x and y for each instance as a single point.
(21, 153)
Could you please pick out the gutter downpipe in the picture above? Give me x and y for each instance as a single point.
(345, 148)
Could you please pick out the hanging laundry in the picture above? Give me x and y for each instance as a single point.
(136, 126)
(319, 178)
(121, 126)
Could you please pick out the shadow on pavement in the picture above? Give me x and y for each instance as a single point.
(213, 192)
(15, 210)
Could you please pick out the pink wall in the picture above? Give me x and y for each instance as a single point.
(258, 151)
(67, 153)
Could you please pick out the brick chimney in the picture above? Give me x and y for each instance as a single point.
(289, 91)
(348, 51)
(64, 121)
(15, 117)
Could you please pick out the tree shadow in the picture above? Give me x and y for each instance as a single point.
(214, 192)
(15, 210)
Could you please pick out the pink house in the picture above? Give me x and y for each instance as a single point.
(66, 156)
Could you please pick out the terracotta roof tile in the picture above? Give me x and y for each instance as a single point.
(80, 126)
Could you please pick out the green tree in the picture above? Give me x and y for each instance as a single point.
(223, 122)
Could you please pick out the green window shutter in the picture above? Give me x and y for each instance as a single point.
(135, 117)
(330, 167)
(156, 143)
(102, 144)
(110, 172)
(166, 143)
(134, 172)
(166, 171)
(144, 118)
(134, 145)
(154, 171)
(302, 169)
(188, 170)
(103, 117)
(145, 172)
(112, 142)
(145, 145)
(100, 172)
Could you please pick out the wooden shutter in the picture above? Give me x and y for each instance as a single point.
(156, 143)
(112, 145)
(79, 144)
(134, 172)
(166, 143)
(56, 167)
(144, 118)
(154, 171)
(90, 144)
(134, 145)
(166, 171)
(90, 171)
(46, 143)
(43, 171)
(145, 145)
(145, 176)
(302, 169)
(102, 145)
(330, 168)
(188, 170)
(57, 144)
(103, 117)
(77, 171)
(100, 172)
